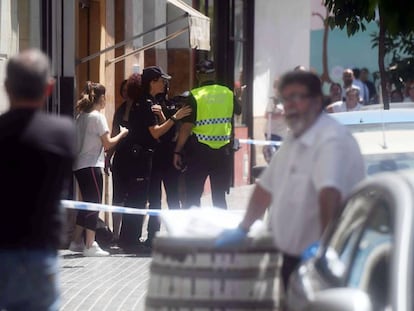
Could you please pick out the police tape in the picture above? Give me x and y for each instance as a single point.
(97, 207)
(259, 142)
(88, 206)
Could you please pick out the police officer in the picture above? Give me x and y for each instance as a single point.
(207, 136)
(145, 129)
(163, 170)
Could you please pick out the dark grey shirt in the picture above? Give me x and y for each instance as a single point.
(35, 168)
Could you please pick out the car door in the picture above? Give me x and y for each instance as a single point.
(359, 249)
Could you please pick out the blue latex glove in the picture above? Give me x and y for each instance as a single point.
(310, 251)
(230, 237)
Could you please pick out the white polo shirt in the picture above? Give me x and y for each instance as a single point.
(89, 129)
(340, 106)
(326, 155)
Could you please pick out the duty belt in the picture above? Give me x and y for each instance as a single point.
(212, 137)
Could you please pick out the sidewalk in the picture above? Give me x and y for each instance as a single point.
(118, 282)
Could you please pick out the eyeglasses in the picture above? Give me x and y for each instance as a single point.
(294, 98)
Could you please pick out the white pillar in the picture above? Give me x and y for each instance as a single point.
(9, 43)
(282, 41)
(134, 15)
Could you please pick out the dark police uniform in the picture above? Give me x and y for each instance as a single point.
(163, 171)
(141, 145)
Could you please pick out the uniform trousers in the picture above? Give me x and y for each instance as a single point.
(202, 162)
(135, 196)
(163, 172)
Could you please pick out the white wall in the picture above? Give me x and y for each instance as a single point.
(134, 16)
(9, 43)
(282, 41)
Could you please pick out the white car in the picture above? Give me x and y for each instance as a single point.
(365, 261)
(385, 137)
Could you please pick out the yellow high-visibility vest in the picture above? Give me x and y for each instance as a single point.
(214, 113)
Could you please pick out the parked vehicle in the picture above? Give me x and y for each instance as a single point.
(385, 137)
(366, 257)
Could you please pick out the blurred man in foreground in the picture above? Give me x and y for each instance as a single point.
(35, 164)
(306, 181)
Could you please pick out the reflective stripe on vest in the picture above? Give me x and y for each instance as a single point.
(213, 121)
(214, 114)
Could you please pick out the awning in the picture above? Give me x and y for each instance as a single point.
(198, 28)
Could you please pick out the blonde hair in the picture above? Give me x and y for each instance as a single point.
(90, 96)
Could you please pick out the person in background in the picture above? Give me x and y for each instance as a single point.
(348, 80)
(121, 161)
(319, 163)
(363, 89)
(205, 139)
(409, 89)
(396, 96)
(92, 137)
(275, 126)
(351, 102)
(146, 125)
(372, 90)
(335, 92)
(37, 158)
(300, 68)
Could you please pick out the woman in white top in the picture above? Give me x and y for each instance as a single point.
(92, 137)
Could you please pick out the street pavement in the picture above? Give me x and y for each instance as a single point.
(118, 282)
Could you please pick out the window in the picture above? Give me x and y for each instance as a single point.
(361, 237)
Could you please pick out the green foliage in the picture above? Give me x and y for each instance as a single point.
(396, 22)
(351, 14)
(399, 45)
(398, 15)
(401, 49)
(401, 71)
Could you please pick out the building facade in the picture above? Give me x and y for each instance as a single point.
(105, 40)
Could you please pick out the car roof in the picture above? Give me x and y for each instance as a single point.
(378, 139)
(375, 116)
(392, 106)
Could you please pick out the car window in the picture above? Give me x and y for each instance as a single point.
(364, 221)
(375, 241)
(386, 162)
(369, 269)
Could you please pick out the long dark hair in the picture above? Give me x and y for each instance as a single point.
(90, 96)
(134, 86)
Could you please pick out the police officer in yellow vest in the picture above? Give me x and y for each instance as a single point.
(204, 144)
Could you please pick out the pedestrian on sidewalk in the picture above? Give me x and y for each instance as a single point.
(92, 137)
(35, 167)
